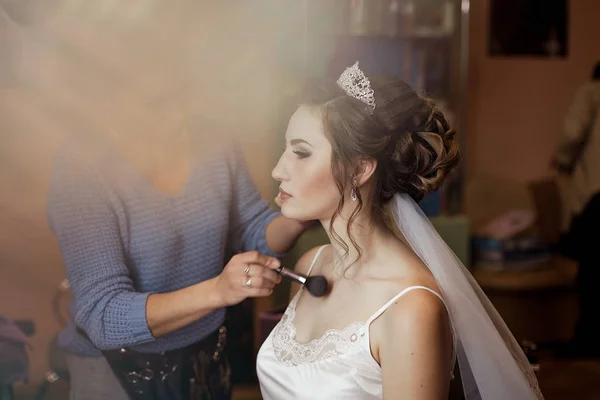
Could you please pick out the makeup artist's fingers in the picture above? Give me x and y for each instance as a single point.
(260, 288)
(247, 275)
(254, 257)
(257, 283)
(266, 273)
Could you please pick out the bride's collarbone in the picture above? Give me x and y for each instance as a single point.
(353, 299)
(314, 324)
(315, 316)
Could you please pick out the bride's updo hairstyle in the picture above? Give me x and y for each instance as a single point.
(382, 118)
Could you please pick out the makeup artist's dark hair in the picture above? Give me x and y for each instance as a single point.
(406, 134)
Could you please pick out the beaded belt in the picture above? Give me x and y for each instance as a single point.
(198, 371)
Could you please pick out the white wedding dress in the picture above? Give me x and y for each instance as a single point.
(338, 365)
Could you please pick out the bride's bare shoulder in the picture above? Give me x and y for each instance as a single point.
(416, 312)
(400, 268)
(304, 262)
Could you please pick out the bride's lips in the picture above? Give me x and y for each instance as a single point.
(283, 195)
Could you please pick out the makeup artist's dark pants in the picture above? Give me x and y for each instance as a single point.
(200, 371)
(584, 246)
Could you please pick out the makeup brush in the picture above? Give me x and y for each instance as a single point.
(316, 285)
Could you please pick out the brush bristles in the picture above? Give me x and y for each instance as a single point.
(317, 285)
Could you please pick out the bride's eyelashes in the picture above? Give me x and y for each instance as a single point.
(301, 154)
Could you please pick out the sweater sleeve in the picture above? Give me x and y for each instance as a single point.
(250, 214)
(108, 308)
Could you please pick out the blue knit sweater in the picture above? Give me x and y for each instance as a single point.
(121, 240)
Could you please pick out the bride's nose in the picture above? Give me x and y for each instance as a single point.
(279, 173)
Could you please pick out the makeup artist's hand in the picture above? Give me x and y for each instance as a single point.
(249, 274)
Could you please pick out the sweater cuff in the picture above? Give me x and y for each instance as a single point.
(262, 240)
(138, 323)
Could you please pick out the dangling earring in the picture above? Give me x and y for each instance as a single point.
(353, 192)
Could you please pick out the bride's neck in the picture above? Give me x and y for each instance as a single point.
(368, 235)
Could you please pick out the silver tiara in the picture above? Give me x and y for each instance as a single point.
(354, 82)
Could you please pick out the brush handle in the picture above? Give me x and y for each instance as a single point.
(292, 275)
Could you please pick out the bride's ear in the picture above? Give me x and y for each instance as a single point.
(364, 170)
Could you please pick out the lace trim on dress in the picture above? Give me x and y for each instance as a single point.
(333, 343)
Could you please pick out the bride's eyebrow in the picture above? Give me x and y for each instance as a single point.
(298, 141)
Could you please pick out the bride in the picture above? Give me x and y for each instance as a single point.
(402, 309)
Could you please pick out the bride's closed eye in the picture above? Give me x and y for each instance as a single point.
(301, 154)
(299, 148)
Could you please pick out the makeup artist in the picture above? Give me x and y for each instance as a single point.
(145, 207)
